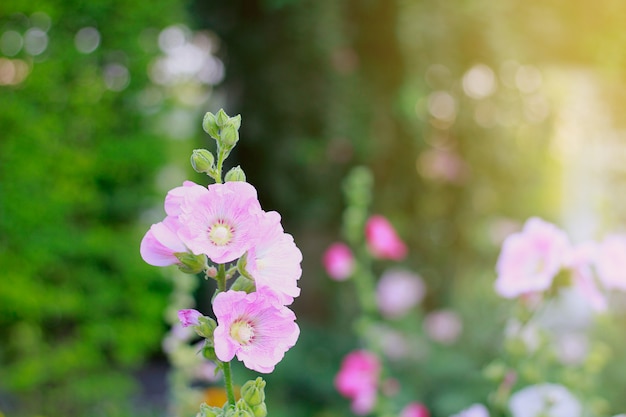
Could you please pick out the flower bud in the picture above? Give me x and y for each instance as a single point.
(253, 392)
(229, 136)
(202, 161)
(235, 174)
(190, 263)
(222, 118)
(208, 351)
(259, 410)
(208, 411)
(205, 327)
(209, 124)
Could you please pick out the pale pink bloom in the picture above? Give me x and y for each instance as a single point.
(475, 410)
(189, 317)
(274, 261)
(255, 327)
(443, 326)
(161, 242)
(581, 260)
(398, 291)
(338, 261)
(382, 239)
(611, 262)
(415, 410)
(357, 379)
(530, 259)
(544, 400)
(221, 223)
(176, 196)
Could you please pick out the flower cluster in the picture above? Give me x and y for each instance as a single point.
(532, 259)
(222, 231)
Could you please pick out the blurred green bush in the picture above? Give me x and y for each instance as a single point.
(78, 307)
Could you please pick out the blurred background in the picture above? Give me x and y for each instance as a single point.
(473, 115)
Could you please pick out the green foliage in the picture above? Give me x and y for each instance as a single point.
(78, 307)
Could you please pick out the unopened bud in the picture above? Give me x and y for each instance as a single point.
(253, 392)
(208, 352)
(190, 263)
(208, 411)
(235, 174)
(229, 136)
(202, 161)
(221, 118)
(205, 327)
(209, 124)
(259, 410)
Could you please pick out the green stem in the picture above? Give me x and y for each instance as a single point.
(221, 157)
(228, 379)
(228, 383)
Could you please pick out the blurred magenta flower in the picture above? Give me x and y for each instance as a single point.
(255, 327)
(220, 222)
(338, 261)
(398, 291)
(161, 242)
(544, 400)
(382, 239)
(274, 260)
(530, 259)
(357, 379)
(415, 410)
(189, 317)
(611, 262)
(475, 410)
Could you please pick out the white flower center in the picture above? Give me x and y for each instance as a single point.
(220, 234)
(242, 332)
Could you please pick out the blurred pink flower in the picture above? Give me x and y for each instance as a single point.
(222, 222)
(382, 239)
(475, 410)
(611, 262)
(415, 410)
(580, 262)
(357, 379)
(189, 317)
(338, 261)
(398, 291)
(161, 242)
(443, 326)
(255, 327)
(530, 259)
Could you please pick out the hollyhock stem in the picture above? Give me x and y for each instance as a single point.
(228, 383)
(364, 283)
(228, 379)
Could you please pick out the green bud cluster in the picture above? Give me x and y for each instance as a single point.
(223, 128)
(251, 403)
(190, 263)
(357, 188)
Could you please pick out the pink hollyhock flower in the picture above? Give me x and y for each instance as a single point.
(415, 410)
(161, 242)
(338, 261)
(358, 380)
(398, 291)
(176, 196)
(611, 262)
(580, 263)
(255, 327)
(443, 326)
(274, 260)
(475, 410)
(221, 223)
(189, 317)
(382, 240)
(530, 259)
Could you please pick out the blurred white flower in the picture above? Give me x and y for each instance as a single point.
(475, 410)
(544, 400)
